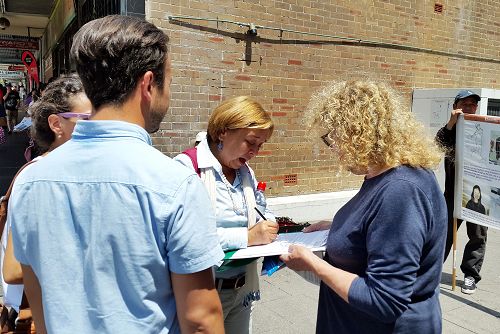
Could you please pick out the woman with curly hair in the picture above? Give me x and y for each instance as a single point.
(54, 118)
(383, 261)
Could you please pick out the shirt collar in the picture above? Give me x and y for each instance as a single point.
(205, 157)
(109, 129)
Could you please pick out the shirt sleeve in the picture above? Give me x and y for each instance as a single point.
(192, 241)
(229, 237)
(446, 137)
(184, 160)
(18, 220)
(233, 237)
(394, 239)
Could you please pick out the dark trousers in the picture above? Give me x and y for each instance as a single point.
(475, 248)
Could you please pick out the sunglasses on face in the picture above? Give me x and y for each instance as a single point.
(326, 140)
(79, 115)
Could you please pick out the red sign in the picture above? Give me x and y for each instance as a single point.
(12, 44)
(16, 68)
(30, 62)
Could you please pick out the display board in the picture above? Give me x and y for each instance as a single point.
(477, 170)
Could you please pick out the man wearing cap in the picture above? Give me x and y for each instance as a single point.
(472, 260)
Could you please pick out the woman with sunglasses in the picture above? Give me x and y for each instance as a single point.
(54, 117)
(384, 251)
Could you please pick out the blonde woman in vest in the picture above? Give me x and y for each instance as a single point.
(236, 131)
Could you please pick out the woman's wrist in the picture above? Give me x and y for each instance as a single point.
(317, 264)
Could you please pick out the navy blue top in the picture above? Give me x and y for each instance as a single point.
(392, 235)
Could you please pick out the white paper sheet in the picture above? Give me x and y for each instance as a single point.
(315, 241)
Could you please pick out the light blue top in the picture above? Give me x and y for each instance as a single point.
(231, 208)
(103, 220)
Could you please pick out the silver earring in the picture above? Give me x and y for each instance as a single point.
(219, 146)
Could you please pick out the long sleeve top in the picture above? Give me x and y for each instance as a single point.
(392, 235)
(447, 139)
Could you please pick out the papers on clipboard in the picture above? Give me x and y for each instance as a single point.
(315, 241)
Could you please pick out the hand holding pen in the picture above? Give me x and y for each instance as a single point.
(260, 213)
(263, 233)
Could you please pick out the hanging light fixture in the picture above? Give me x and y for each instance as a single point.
(4, 23)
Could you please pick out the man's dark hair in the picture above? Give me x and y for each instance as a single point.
(57, 98)
(113, 52)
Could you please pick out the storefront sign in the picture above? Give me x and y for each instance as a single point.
(16, 68)
(14, 44)
(11, 75)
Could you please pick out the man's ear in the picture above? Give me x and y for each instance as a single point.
(55, 124)
(146, 85)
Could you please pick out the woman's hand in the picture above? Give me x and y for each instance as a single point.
(299, 258)
(262, 233)
(319, 226)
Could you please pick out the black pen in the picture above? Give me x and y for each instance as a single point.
(260, 213)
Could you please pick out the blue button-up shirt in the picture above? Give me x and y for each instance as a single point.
(231, 209)
(102, 221)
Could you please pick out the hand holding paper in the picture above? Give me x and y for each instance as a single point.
(299, 258)
(315, 241)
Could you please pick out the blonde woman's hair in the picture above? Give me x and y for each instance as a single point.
(370, 126)
(240, 112)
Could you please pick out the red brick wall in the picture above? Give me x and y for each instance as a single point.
(213, 61)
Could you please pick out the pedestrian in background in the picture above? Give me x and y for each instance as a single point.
(383, 261)
(11, 104)
(3, 115)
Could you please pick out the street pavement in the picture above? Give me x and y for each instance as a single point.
(289, 303)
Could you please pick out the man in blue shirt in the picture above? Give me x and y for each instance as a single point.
(114, 236)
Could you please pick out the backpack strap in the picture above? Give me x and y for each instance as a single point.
(191, 153)
(4, 200)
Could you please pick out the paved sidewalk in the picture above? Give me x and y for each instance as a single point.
(289, 303)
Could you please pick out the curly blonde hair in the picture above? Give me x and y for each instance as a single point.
(369, 126)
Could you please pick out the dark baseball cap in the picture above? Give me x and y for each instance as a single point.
(463, 94)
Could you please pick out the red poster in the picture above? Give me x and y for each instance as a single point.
(29, 61)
